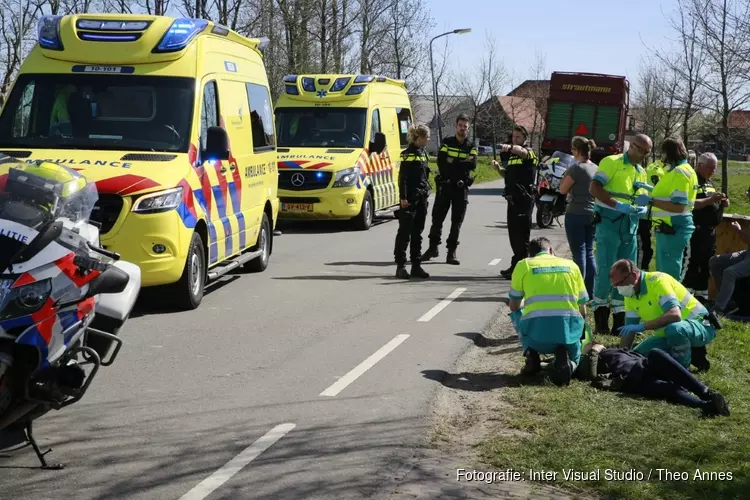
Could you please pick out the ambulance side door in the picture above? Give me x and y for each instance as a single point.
(389, 125)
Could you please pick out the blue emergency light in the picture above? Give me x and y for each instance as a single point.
(364, 79)
(48, 31)
(355, 90)
(180, 34)
(308, 84)
(319, 175)
(340, 84)
(292, 90)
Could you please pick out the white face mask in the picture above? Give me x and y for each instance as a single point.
(626, 290)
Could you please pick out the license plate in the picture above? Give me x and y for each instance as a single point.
(547, 197)
(296, 207)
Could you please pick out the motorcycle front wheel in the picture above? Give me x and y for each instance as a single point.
(544, 215)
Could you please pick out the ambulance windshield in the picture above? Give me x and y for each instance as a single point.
(97, 111)
(321, 128)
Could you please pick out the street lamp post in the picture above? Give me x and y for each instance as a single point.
(434, 83)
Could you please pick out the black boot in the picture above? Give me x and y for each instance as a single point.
(402, 273)
(716, 404)
(507, 273)
(601, 321)
(699, 359)
(451, 258)
(418, 272)
(533, 363)
(618, 321)
(562, 371)
(431, 253)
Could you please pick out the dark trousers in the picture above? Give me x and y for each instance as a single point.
(451, 198)
(666, 379)
(645, 250)
(519, 227)
(411, 222)
(702, 247)
(580, 233)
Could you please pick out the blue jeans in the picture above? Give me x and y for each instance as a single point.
(580, 234)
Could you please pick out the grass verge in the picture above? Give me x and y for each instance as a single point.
(583, 429)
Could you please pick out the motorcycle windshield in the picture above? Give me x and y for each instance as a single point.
(32, 197)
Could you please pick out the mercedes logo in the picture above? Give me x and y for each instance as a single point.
(298, 179)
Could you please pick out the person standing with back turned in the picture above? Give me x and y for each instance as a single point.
(519, 189)
(578, 226)
(457, 158)
(618, 180)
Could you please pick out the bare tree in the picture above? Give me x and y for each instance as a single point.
(373, 29)
(539, 94)
(722, 32)
(17, 21)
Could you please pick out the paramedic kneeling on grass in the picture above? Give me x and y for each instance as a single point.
(657, 301)
(552, 318)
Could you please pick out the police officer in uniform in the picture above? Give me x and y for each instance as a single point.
(457, 158)
(519, 192)
(707, 214)
(414, 189)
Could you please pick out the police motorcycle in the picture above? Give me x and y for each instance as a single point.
(63, 299)
(550, 202)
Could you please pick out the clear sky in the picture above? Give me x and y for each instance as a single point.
(605, 36)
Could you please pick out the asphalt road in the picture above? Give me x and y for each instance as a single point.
(253, 395)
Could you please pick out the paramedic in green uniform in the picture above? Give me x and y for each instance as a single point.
(618, 181)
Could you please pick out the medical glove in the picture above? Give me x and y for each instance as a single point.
(642, 200)
(628, 329)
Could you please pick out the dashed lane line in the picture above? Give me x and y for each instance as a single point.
(221, 476)
(495, 262)
(365, 365)
(442, 305)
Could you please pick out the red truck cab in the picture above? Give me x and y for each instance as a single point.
(587, 104)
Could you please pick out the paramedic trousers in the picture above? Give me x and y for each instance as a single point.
(411, 221)
(679, 338)
(455, 199)
(520, 207)
(615, 239)
(702, 247)
(645, 251)
(670, 251)
(665, 379)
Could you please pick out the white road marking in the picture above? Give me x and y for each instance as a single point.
(365, 365)
(221, 476)
(442, 305)
(495, 262)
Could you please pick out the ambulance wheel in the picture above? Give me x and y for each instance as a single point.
(363, 221)
(260, 263)
(188, 292)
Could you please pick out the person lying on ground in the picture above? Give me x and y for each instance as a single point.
(656, 376)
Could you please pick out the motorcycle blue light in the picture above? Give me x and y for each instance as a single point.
(48, 31)
(180, 34)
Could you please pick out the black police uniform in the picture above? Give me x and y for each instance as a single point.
(414, 187)
(456, 160)
(703, 242)
(519, 191)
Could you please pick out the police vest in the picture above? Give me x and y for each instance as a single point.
(679, 185)
(659, 292)
(618, 175)
(552, 289)
(711, 215)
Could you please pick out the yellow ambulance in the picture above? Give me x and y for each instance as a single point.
(339, 139)
(173, 120)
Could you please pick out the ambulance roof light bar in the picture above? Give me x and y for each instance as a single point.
(180, 34)
(48, 33)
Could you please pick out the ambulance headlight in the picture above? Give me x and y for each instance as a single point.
(347, 178)
(162, 201)
(48, 31)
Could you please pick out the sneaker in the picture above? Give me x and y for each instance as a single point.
(431, 253)
(418, 272)
(533, 363)
(716, 404)
(562, 369)
(402, 273)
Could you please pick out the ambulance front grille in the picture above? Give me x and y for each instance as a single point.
(107, 211)
(311, 179)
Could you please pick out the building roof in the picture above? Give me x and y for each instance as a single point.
(531, 88)
(522, 111)
(423, 108)
(739, 119)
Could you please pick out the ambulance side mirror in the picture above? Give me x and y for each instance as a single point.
(217, 145)
(379, 145)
